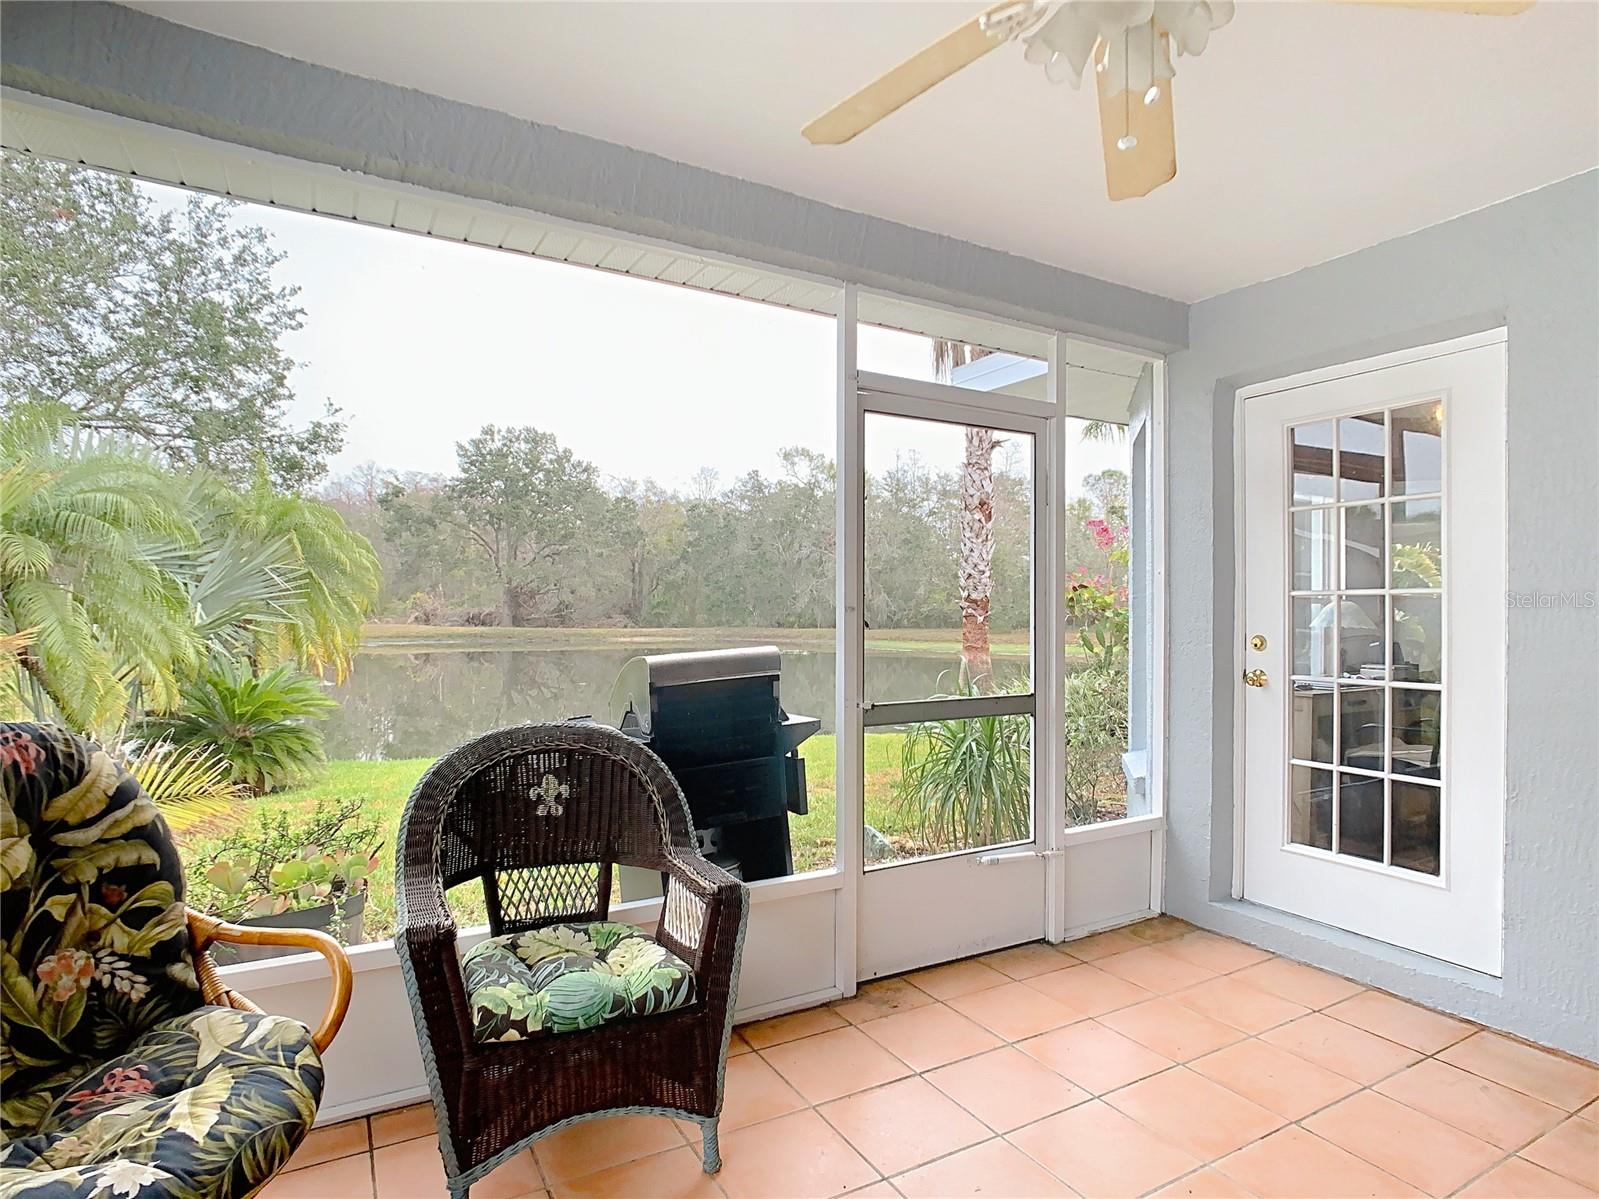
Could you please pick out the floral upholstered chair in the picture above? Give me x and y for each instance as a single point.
(127, 1070)
(562, 1014)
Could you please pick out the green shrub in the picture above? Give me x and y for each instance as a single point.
(1096, 736)
(263, 725)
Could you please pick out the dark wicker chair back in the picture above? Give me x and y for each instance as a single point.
(541, 814)
(542, 821)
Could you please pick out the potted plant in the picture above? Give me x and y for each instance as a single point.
(290, 870)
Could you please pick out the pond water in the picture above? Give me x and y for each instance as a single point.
(413, 705)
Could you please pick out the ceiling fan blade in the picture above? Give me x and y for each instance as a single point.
(1479, 8)
(959, 48)
(1153, 161)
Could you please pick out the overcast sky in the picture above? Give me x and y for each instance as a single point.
(420, 342)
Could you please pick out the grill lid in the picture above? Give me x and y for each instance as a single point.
(703, 666)
(640, 677)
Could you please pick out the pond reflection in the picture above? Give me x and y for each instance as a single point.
(399, 705)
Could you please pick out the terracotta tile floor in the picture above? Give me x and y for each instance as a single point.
(1152, 1060)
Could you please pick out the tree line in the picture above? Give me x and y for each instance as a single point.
(149, 339)
(524, 533)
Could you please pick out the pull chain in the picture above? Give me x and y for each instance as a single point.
(1127, 141)
(1153, 93)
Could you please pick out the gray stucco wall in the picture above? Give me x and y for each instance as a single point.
(1532, 265)
(125, 62)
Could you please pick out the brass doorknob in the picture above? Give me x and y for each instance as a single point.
(1255, 678)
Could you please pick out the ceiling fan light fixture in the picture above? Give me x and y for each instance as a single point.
(1131, 40)
(1063, 43)
(1137, 59)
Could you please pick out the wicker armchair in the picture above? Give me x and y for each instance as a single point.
(539, 815)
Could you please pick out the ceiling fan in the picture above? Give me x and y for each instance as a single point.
(1130, 44)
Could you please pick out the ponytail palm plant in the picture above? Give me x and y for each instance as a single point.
(967, 781)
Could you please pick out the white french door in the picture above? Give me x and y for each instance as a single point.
(1373, 664)
(951, 832)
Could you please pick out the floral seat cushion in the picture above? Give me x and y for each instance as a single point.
(567, 977)
(207, 1104)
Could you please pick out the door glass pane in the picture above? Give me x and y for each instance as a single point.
(1315, 549)
(1418, 559)
(1314, 633)
(1361, 640)
(1416, 453)
(1368, 647)
(1416, 826)
(943, 786)
(1363, 547)
(949, 559)
(1362, 730)
(1416, 739)
(1312, 462)
(1360, 817)
(1313, 722)
(1418, 638)
(1310, 808)
(1360, 457)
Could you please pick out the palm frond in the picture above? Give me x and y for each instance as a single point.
(106, 619)
(190, 784)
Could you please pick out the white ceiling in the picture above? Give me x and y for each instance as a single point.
(1306, 130)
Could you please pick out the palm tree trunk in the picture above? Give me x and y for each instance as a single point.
(977, 525)
(977, 555)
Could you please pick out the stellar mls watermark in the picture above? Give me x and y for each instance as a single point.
(1552, 599)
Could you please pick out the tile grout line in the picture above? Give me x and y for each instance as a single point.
(1473, 1028)
(1247, 1036)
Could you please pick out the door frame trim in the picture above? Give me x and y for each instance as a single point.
(909, 399)
(1365, 366)
(1326, 374)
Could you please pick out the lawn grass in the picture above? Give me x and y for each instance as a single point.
(382, 788)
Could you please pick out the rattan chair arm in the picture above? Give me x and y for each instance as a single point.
(719, 893)
(699, 874)
(428, 943)
(204, 930)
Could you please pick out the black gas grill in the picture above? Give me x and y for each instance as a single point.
(716, 720)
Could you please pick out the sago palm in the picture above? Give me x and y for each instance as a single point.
(78, 515)
(263, 725)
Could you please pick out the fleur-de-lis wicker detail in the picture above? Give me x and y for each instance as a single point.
(550, 794)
